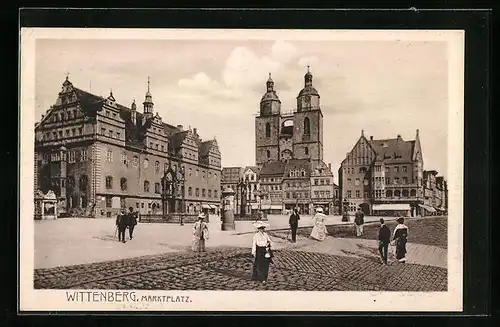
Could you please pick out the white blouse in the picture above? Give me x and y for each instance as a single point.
(260, 239)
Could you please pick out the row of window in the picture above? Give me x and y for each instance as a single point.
(110, 133)
(387, 194)
(65, 115)
(322, 181)
(69, 132)
(135, 163)
(306, 152)
(297, 173)
(378, 168)
(297, 195)
(157, 188)
(307, 127)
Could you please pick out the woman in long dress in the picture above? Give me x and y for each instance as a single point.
(200, 234)
(319, 229)
(261, 251)
(399, 239)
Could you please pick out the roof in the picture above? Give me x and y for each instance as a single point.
(308, 90)
(255, 169)
(273, 168)
(177, 139)
(270, 96)
(205, 147)
(298, 164)
(387, 149)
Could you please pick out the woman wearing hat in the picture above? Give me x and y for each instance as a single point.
(399, 239)
(261, 251)
(319, 229)
(200, 234)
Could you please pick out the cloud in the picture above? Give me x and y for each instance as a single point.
(308, 61)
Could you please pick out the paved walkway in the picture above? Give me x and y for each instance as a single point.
(72, 241)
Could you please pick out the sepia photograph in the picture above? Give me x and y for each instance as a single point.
(249, 170)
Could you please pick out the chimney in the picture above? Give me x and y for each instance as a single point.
(179, 127)
(330, 166)
(371, 137)
(399, 136)
(195, 131)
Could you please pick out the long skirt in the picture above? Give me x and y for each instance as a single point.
(400, 249)
(319, 232)
(260, 265)
(198, 245)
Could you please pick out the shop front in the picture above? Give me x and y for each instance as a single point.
(391, 209)
(427, 210)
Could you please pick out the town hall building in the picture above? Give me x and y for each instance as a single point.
(98, 156)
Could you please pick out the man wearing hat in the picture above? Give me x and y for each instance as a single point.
(359, 221)
(121, 225)
(262, 253)
(294, 223)
(200, 234)
(384, 238)
(132, 221)
(400, 238)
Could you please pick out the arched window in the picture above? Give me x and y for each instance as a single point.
(307, 126)
(388, 194)
(190, 191)
(413, 193)
(397, 193)
(209, 193)
(123, 184)
(268, 130)
(268, 153)
(157, 166)
(306, 151)
(109, 182)
(203, 192)
(146, 186)
(405, 193)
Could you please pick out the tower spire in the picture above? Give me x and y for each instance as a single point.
(148, 84)
(148, 102)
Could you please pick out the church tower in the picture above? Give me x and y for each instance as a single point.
(267, 126)
(308, 124)
(148, 104)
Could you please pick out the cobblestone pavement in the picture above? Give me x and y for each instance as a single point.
(428, 231)
(230, 269)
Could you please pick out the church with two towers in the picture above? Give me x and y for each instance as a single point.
(289, 152)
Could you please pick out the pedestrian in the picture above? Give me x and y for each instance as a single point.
(319, 230)
(132, 221)
(262, 252)
(200, 234)
(384, 238)
(121, 225)
(359, 221)
(294, 223)
(399, 239)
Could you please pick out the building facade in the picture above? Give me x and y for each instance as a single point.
(244, 181)
(383, 177)
(289, 151)
(99, 156)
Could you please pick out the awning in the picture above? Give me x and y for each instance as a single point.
(276, 206)
(391, 206)
(208, 206)
(430, 209)
(255, 206)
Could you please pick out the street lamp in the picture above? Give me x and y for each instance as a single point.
(345, 214)
(181, 180)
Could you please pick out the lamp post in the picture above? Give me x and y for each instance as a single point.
(345, 214)
(181, 180)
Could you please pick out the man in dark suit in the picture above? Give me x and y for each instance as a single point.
(359, 221)
(294, 224)
(384, 237)
(132, 221)
(121, 225)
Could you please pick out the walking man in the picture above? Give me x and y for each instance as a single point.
(121, 225)
(384, 238)
(132, 221)
(294, 224)
(359, 220)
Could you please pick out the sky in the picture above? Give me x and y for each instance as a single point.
(385, 88)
